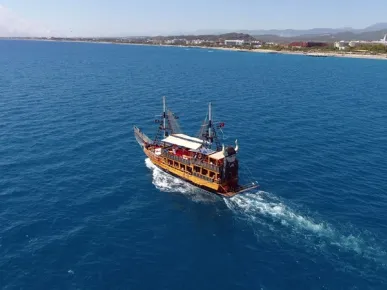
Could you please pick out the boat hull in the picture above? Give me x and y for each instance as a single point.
(198, 182)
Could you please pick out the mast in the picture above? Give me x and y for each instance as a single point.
(164, 117)
(209, 123)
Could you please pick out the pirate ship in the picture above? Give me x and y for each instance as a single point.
(200, 160)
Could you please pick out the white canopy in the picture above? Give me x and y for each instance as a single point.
(217, 156)
(184, 141)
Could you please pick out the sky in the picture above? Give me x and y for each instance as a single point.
(152, 17)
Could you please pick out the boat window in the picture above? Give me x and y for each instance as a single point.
(204, 171)
(182, 166)
(189, 169)
(196, 168)
(176, 164)
(212, 174)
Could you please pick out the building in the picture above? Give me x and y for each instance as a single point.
(384, 40)
(300, 44)
(341, 45)
(236, 42)
(355, 43)
(197, 41)
(255, 43)
(381, 41)
(176, 41)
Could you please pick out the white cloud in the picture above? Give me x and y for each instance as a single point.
(11, 25)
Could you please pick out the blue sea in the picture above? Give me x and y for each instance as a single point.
(82, 208)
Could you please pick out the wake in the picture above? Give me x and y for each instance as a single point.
(265, 211)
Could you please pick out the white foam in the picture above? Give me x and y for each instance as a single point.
(260, 206)
(168, 183)
(263, 205)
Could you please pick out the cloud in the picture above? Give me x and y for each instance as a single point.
(12, 25)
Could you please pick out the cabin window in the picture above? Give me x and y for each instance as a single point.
(212, 174)
(182, 166)
(204, 171)
(189, 169)
(197, 169)
(170, 162)
(176, 164)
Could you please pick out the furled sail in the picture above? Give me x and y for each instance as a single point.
(203, 132)
(208, 130)
(173, 123)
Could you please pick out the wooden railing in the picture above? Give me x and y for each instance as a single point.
(205, 165)
(191, 162)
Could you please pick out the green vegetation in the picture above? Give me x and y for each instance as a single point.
(373, 48)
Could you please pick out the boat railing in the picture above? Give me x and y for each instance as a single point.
(205, 165)
(195, 162)
(176, 158)
(192, 162)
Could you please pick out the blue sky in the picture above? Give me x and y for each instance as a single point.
(130, 17)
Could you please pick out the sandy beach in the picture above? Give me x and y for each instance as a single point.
(315, 54)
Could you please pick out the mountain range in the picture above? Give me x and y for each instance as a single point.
(296, 33)
(12, 25)
(346, 35)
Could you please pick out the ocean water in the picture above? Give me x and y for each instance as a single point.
(82, 208)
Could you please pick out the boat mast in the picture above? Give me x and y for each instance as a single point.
(164, 117)
(209, 123)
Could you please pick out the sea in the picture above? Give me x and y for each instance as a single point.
(81, 207)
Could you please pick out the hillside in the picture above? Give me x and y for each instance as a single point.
(298, 32)
(347, 35)
(209, 37)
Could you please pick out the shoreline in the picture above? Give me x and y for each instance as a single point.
(256, 50)
(311, 54)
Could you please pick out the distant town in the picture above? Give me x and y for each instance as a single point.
(243, 41)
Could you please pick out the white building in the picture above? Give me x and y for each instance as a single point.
(341, 45)
(256, 43)
(234, 42)
(384, 40)
(197, 41)
(176, 41)
(354, 43)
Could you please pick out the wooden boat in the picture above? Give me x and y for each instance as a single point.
(193, 159)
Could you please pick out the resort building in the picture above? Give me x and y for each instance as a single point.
(341, 45)
(234, 42)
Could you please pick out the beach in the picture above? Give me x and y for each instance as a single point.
(315, 54)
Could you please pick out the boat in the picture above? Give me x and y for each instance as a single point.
(202, 161)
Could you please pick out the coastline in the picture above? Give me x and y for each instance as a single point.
(256, 50)
(313, 54)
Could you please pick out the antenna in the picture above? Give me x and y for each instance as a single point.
(164, 117)
(209, 123)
